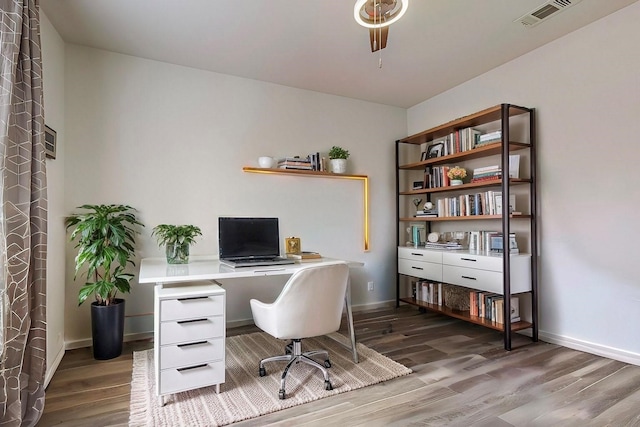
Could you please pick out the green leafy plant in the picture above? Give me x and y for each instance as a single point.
(105, 241)
(176, 239)
(338, 153)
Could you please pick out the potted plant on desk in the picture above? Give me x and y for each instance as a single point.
(106, 240)
(338, 157)
(177, 240)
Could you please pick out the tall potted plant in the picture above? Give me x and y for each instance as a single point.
(338, 158)
(105, 237)
(177, 239)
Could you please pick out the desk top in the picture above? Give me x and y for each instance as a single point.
(156, 270)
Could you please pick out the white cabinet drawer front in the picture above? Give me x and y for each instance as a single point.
(189, 308)
(491, 263)
(189, 354)
(420, 255)
(174, 380)
(424, 270)
(490, 281)
(191, 330)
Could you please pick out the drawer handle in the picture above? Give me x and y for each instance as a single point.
(192, 343)
(417, 268)
(470, 278)
(416, 254)
(204, 365)
(192, 298)
(468, 259)
(180, 322)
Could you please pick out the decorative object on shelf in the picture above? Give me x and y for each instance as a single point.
(456, 174)
(177, 240)
(338, 158)
(435, 150)
(377, 15)
(416, 202)
(106, 242)
(266, 162)
(292, 245)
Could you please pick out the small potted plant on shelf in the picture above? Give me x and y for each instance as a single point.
(177, 239)
(106, 240)
(456, 174)
(338, 157)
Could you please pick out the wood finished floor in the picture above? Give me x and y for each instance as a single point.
(462, 377)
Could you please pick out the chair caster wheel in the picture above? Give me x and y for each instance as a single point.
(262, 372)
(281, 395)
(327, 363)
(327, 385)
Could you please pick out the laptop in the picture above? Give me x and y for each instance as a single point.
(249, 242)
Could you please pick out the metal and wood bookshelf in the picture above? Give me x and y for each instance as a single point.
(514, 122)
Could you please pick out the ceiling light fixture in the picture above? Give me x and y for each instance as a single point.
(377, 15)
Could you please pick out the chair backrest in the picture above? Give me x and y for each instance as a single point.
(311, 302)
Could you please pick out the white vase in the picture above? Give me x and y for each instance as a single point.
(338, 165)
(456, 182)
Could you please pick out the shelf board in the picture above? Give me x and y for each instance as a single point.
(488, 115)
(303, 173)
(319, 174)
(476, 153)
(464, 315)
(483, 184)
(462, 218)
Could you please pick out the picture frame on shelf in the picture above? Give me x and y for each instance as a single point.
(423, 156)
(435, 150)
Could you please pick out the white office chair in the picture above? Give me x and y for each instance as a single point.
(310, 305)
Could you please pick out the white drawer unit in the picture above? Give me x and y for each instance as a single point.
(190, 337)
(463, 268)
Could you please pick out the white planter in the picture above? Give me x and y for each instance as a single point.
(338, 165)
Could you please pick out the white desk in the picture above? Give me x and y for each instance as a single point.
(156, 270)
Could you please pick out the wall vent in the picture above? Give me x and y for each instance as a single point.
(544, 12)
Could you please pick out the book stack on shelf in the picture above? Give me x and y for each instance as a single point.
(428, 292)
(436, 176)
(486, 173)
(484, 203)
(296, 162)
(313, 162)
(491, 241)
(489, 138)
(305, 256)
(444, 245)
(490, 306)
(458, 141)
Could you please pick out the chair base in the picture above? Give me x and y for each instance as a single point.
(293, 355)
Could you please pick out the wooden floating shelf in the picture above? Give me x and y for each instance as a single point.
(464, 315)
(319, 174)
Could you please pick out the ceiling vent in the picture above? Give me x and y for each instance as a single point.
(544, 12)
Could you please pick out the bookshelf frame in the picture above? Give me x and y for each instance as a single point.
(501, 114)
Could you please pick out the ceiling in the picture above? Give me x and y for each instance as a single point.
(317, 45)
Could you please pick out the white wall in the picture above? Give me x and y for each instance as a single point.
(171, 141)
(53, 84)
(586, 89)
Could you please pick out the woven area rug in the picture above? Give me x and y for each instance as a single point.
(245, 394)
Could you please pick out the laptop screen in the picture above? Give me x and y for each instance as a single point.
(248, 237)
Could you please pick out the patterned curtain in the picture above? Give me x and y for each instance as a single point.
(23, 216)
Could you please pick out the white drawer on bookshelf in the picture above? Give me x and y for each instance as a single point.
(423, 270)
(420, 254)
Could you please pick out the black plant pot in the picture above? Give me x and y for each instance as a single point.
(107, 327)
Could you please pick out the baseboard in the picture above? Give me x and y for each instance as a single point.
(589, 347)
(72, 345)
